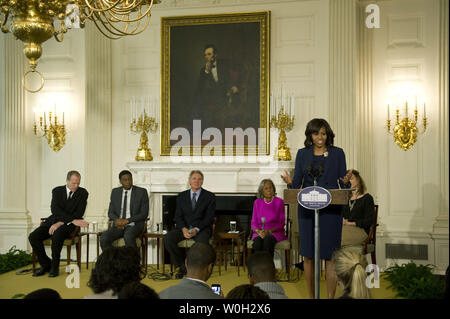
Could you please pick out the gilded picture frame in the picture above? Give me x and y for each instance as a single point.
(224, 111)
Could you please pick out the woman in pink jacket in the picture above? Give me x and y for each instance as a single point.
(268, 218)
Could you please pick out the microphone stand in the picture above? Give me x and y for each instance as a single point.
(315, 175)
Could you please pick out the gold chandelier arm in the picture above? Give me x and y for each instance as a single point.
(61, 32)
(117, 32)
(23, 81)
(4, 21)
(87, 2)
(102, 32)
(140, 16)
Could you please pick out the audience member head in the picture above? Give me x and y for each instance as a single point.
(357, 182)
(350, 267)
(115, 267)
(73, 180)
(44, 293)
(126, 179)
(137, 290)
(200, 261)
(261, 268)
(247, 292)
(314, 126)
(266, 189)
(196, 180)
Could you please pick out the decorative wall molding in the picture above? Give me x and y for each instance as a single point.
(295, 71)
(406, 31)
(295, 31)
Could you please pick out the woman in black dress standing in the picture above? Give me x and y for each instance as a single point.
(319, 154)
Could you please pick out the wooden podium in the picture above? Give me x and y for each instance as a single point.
(338, 197)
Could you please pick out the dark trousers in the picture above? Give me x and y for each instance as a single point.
(265, 244)
(129, 234)
(40, 234)
(172, 239)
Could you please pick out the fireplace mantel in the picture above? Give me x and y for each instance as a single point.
(160, 177)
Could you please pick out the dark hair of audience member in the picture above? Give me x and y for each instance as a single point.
(44, 293)
(115, 267)
(137, 290)
(200, 256)
(247, 292)
(261, 267)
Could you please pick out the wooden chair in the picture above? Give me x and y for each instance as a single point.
(369, 244)
(285, 245)
(141, 243)
(188, 243)
(73, 239)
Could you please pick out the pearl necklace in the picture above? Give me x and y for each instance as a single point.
(268, 202)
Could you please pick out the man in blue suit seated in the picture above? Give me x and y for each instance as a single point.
(194, 217)
(128, 210)
(199, 263)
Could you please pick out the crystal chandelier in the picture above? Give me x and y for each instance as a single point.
(35, 21)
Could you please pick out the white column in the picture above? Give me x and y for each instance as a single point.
(343, 63)
(98, 124)
(14, 217)
(364, 109)
(440, 228)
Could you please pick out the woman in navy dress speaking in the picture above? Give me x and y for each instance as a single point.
(320, 157)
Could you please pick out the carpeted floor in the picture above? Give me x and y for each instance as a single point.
(12, 284)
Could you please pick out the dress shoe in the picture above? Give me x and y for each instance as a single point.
(41, 271)
(53, 273)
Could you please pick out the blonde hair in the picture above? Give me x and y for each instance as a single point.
(350, 267)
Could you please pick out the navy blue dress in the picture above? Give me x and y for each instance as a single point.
(330, 218)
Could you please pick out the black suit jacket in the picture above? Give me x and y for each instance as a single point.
(65, 210)
(203, 215)
(138, 206)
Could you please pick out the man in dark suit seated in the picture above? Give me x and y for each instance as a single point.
(67, 207)
(200, 263)
(128, 210)
(194, 217)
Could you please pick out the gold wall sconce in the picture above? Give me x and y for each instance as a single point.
(282, 118)
(143, 120)
(406, 129)
(51, 129)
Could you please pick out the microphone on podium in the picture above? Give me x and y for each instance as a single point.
(263, 220)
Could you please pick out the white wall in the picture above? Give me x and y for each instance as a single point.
(407, 183)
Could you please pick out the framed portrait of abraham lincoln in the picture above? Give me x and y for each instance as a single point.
(215, 84)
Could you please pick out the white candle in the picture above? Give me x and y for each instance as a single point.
(388, 115)
(406, 106)
(63, 118)
(424, 111)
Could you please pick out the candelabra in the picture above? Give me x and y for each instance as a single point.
(405, 130)
(144, 124)
(283, 122)
(54, 132)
